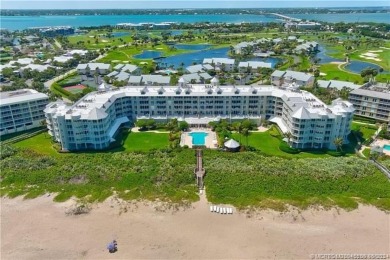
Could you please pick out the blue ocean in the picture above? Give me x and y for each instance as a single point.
(23, 22)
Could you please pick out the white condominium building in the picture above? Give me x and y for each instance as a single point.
(21, 110)
(372, 100)
(92, 122)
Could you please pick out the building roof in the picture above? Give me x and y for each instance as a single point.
(112, 73)
(22, 61)
(135, 79)
(195, 76)
(255, 64)
(278, 73)
(122, 76)
(36, 67)
(198, 68)
(371, 93)
(119, 66)
(337, 84)
(62, 59)
(129, 68)
(94, 66)
(20, 96)
(301, 76)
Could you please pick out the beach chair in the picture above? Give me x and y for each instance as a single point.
(211, 208)
(230, 211)
(221, 210)
(217, 210)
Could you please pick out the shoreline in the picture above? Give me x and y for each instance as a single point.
(41, 229)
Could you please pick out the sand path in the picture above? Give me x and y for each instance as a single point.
(39, 229)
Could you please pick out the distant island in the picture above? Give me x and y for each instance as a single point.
(262, 11)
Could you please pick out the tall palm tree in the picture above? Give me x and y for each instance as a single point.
(338, 142)
(239, 129)
(289, 136)
(246, 133)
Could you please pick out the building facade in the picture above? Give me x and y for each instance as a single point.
(21, 110)
(92, 122)
(372, 101)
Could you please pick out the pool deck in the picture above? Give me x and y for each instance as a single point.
(381, 143)
(210, 140)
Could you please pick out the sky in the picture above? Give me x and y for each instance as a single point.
(158, 4)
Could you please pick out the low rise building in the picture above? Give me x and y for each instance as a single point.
(196, 78)
(224, 64)
(372, 100)
(149, 80)
(253, 66)
(93, 121)
(307, 47)
(21, 110)
(300, 79)
(198, 68)
(92, 68)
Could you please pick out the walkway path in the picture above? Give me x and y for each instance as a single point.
(382, 168)
(199, 170)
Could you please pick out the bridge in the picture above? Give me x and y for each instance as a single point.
(199, 170)
(285, 17)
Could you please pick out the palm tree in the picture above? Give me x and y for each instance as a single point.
(289, 136)
(246, 133)
(338, 142)
(239, 129)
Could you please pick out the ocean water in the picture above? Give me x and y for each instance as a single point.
(23, 22)
(347, 18)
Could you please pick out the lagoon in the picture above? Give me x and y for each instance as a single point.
(357, 66)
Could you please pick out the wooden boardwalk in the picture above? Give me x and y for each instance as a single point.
(199, 170)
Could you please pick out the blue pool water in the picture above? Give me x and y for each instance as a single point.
(198, 138)
(386, 147)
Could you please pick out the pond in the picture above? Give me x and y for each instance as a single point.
(194, 57)
(195, 47)
(323, 55)
(120, 34)
(149, 55)
(357, 66)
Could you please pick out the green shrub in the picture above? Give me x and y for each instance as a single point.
(335, 153)
(283, 146)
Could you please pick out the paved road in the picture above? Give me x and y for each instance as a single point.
(48, 83)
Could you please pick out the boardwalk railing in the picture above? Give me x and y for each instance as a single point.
(381, 168)
(199, 170)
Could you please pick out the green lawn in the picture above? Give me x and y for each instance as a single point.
(269, 145)
(144, 141)
(364, 131)
(41, 143)
(332, 72)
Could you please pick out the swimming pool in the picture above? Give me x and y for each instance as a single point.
(198, 138)
(386, 147)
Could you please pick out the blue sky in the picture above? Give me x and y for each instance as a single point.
(146, 4)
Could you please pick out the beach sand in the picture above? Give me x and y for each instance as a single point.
(40, 229)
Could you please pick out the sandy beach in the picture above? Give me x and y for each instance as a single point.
(40, 229)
